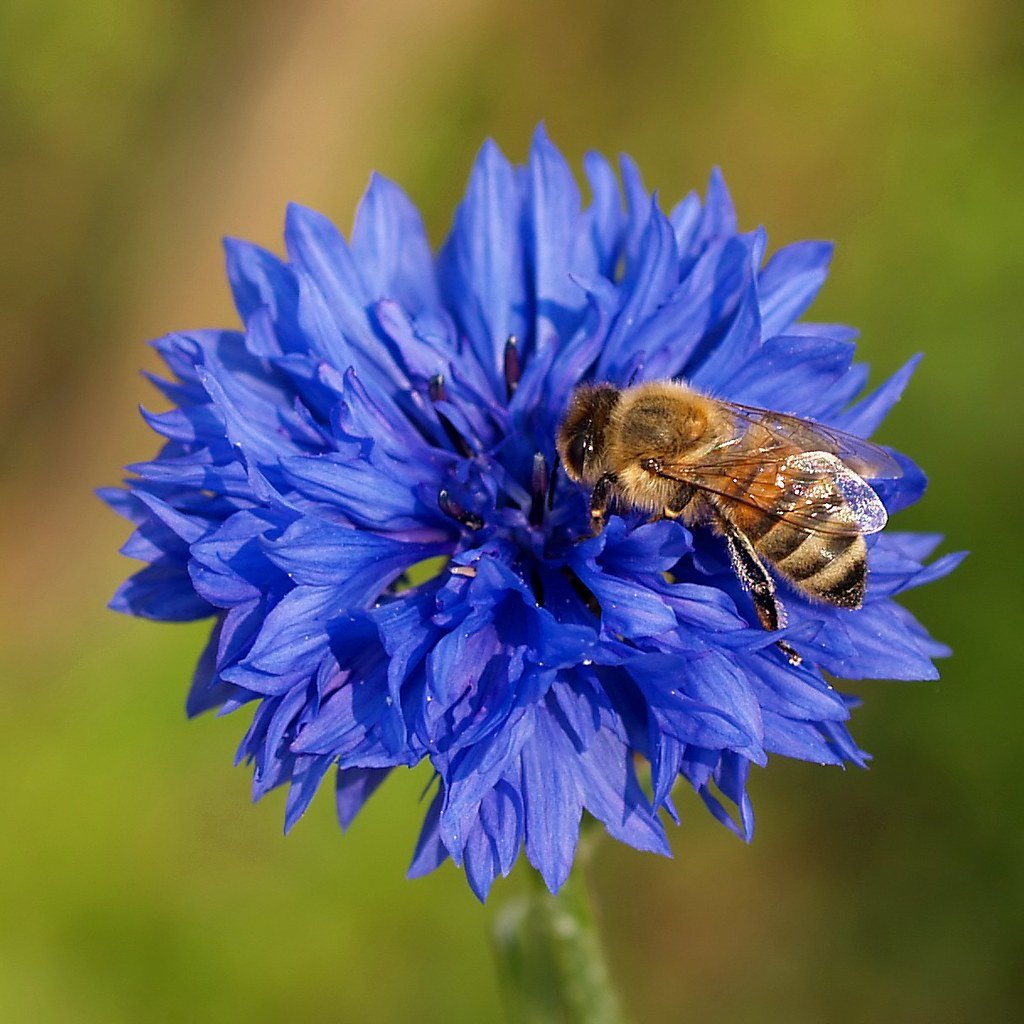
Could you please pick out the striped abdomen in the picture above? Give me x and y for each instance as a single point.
(831, 567)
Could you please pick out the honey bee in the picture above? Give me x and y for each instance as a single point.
(785, 493)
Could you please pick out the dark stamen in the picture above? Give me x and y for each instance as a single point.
(438, 393)
(540, 489)
(513, 370)
(537, 584)
(583, 592)
(436, 388)
(450, 507)
(460, 444)
(552, 481)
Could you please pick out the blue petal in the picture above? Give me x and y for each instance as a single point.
(477, 771)
(430, 851)
(638, 206)
(719, 681)
(494, 839)
(713, 371)
(390, 248)
(292, 640)
(686, 219)
(731, 777)
(789, 283)
(719, 213)
(334, 301)
(481, 269)
(162, 591)
(691, 699)
(191, 425)
(229, 565)
(647, 550)
(552, 801)
(613, 795)
(260, 282)
(792, 374)
(631, 605)
(649, 283)
(904, 490)
(693, 316)
(887, 641)
(796, 692)
(259, 430)
(502, 817)
(207, 691)
(604, 215)
(842, 744)
(350, 718)
(305, 781)
(362, 493)
(188, 529)
(422, 354)
(551, 224)
(666, 759)
(325, 266)
(197, 470)
(182, 352)
(455, 665)
(866, 416)
(627, 607)
(577, 704)
(353, 788)
(316, 553)
(797, 739)
(895, 563)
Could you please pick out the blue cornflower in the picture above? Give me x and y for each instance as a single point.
(383, 408)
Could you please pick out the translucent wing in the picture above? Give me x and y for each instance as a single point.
(813, 491)
(860, 510)
(775, 433)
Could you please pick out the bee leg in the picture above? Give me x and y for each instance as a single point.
(679, 503)
(756, 578)
(600, 500)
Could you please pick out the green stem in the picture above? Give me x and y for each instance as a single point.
(549, 957)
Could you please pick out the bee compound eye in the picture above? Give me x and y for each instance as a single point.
(579, 450)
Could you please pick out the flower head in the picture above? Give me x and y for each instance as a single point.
(359, 488)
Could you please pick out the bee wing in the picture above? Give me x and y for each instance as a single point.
(860, 508)
(776, 432)
(813, 491)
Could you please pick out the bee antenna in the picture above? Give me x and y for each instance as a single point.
(636, 373)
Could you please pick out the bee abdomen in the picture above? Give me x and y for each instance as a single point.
(830, 568)
(777, 540)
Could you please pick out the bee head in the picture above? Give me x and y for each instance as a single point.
(581, 433)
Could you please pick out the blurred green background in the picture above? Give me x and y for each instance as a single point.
(137, 883)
